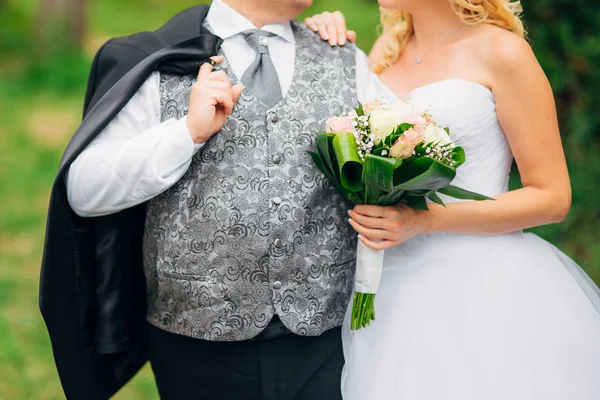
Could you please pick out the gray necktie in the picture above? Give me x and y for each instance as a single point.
(261, 77)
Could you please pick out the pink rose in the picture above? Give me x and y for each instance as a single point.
(371, 106)
(416, 119)
(420, 130)
(405, 145)
(340, 125)
(414, 135)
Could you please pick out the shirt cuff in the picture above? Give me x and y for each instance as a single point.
(180, 147)
(183, 127)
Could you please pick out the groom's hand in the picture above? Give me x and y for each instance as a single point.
(211, 102)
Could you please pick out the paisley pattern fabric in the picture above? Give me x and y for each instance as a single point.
(253, 228)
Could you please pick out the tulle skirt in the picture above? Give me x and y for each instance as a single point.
(464, 317)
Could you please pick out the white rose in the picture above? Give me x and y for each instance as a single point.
(383, 123)
(401, 110)
(386, 119)
(436, 134)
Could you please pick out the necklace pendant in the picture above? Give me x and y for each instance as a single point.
(418, 60)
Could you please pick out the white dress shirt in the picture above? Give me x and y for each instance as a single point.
(137, 157)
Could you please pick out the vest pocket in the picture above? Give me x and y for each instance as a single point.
(184, 277)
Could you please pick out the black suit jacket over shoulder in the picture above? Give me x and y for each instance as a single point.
(92, 289)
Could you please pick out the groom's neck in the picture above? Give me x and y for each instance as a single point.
(261, 12)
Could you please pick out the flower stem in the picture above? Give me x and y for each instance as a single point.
(363, 310)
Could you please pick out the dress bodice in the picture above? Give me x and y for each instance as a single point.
(469, 110)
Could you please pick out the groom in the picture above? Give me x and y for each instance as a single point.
(207, 192)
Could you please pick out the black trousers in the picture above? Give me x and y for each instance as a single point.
(288, 367)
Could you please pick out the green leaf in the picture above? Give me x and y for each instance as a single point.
(360, 110)
(433, 178)
(459, 157)
(463, 194)
(404, 127)
(417, 202)
(335, 182)
(411, 169)
(379, 171)
(389, 140)
(355, 198)
(436, 199)
(391, 198)
(349, 163)
(418, 192)
(372, 194)
(324, 149)
(318, 161)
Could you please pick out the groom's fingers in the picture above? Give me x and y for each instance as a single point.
(237, 92)
(207, 68)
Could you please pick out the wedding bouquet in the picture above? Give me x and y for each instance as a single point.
(383, 154)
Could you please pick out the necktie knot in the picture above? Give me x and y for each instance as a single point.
(258, 40)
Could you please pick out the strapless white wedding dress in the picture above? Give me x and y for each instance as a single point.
(469, 317)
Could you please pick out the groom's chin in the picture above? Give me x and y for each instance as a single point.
(302, 4)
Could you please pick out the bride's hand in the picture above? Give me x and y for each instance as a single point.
(331, 26)
(383, 227)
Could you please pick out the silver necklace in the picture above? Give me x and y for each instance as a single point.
(419, 58)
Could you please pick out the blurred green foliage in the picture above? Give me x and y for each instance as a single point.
(565, 36)
(41, 94)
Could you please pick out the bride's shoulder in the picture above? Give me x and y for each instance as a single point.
(501, 53)
(502, 50)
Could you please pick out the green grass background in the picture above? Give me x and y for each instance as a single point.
(40, 106)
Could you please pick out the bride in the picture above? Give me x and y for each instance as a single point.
(470, 307)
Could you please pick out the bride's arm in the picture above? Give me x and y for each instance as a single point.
(527, 113)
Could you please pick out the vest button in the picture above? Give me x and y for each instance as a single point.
(276, 285)
(277, 243)
(276, 158)
(274, 118)
(277, 200)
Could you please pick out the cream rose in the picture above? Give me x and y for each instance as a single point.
(401, 110)
(386, 119)
(436, 134)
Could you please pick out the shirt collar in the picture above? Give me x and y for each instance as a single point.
(226, 23)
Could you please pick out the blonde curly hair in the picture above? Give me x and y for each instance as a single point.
(398, 25)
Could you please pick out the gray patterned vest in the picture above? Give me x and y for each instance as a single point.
(253, 228)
